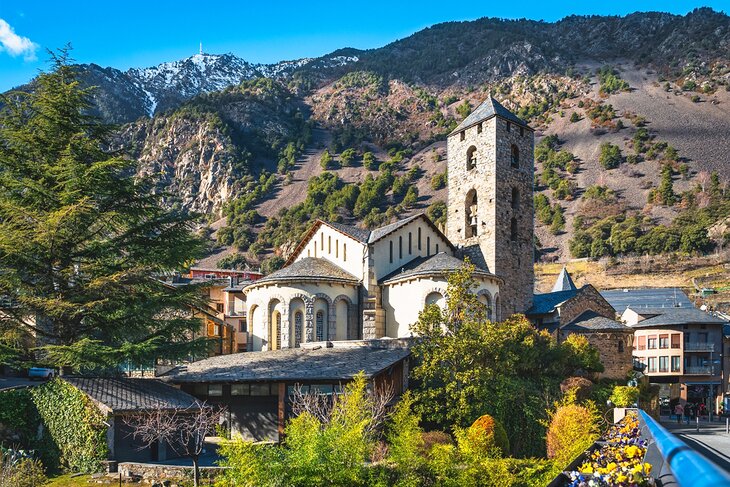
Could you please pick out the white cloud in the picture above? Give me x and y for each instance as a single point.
(16, 45)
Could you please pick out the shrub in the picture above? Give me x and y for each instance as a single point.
(485, 438)
(572, 429)
(624, 396)
(464, 109)
(580, 386)
(438, 181)
(19, 470)
(610, 157)
(347, 157)
(369, 161)
(574, 117)
(430, 439)
(326, 160)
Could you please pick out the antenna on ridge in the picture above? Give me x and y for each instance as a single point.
(201, 48)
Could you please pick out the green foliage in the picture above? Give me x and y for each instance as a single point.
(464, 109)
(584, 357)
(572, 428)
(574, 117)
(234, 261)
(363, 79)
(601, 114)
(610, 81)
(485, 438)
(347, 157)
(80, 236)
(405, 442)
(273, 263)
(369, 161)
(624, 396)
(665, 192)
(610, 157)
(467, 367)
(326, 160)
(439, 180)
(437, 212)
(18, 416)
(20, 471)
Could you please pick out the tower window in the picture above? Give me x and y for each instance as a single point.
(509, 127)
(462, 135)
(471, 158)
(522, 131)
(515, 156)
(479, 128)
(513, 230)
(515, 198)
(470, 213)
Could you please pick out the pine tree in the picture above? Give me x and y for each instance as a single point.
(665, 191)
(81, 238)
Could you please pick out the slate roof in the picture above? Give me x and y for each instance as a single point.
(381, 232)
(488, 109)
(674, 316)
(310, 268)
(547, 302)
(666, 297)
(441, 263)
(359, 234)
(564, 282)
(591, 321)
(123, 394)
(293, 364)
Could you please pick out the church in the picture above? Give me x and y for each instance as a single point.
(345, 283)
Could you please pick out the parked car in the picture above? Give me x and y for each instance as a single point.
(41, 373)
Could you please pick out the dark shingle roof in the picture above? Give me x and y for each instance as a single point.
(592, 321)
(289, 365)
(381, 232)
(123, 394)
(310, 268)
(564, 282)
(488, 109)
(667, 297)
(358, 234)
(547, 302)
(440, 263)
(674, 316)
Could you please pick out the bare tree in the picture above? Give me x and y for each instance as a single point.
(182, 430)
(321, 406)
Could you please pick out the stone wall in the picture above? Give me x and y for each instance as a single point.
(587, 299)
(493, 178)
(616, 362)
(150, 472)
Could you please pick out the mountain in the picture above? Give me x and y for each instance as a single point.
(242, 142)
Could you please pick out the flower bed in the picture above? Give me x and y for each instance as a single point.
(619, 460)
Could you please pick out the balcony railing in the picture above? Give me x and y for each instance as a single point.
(699, 370)
(699, 347)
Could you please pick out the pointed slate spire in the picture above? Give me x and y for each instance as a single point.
(488, 109)
(564, 282)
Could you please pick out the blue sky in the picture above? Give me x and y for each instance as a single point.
(135, 33)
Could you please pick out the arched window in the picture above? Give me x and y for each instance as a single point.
(620, 346)
(515, 198)
(435, 297)
(298, 319)
(470, 212)
(471, 158)
(513, 230)
(497, 309)
(320, 326)
(344, 252)
(515, 156)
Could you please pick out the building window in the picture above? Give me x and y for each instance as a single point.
(664, 364)
(298, 318)
(471, 211)
(522, 131)
(651, 343)
(515, 198)
(437, 248)
(400, 247)
(320, 326)
(515, 156)
(702, 337)
(337, 249)
(260, 390)
(675, 363)
(428, 245)
(663, 341)
(419, 238)
(242, 326)
(215, 390)
(509, 127)
(391, 251)
(479, 128)
(651, 364)
(344, 251)
(321, 244)
(462, 135)
(620, 346)
(410, 239)
(219, 307)
(239, 390)
(471, 158)
(676, 337)
(329, 244)
(513, 229)
(641, 343)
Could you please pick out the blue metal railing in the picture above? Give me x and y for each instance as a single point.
(690, 468)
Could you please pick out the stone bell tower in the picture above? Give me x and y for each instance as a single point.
(490, 205)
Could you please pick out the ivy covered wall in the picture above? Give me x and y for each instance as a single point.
(73, 430)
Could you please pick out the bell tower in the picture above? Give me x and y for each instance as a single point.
(490, 204)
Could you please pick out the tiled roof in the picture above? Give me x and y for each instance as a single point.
(440, 263)
(667, 297)
(381, 232)
(592, 321)
(488, 109)
(674, 316)
(564, 282)
(123, 394)
(310, 268)
(358, 234)
(291, 364)
(547, 302)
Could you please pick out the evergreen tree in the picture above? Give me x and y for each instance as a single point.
(81, 238)
(665, 192)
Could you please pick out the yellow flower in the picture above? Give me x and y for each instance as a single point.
(647, 468)
(586, 468)
(611, 467)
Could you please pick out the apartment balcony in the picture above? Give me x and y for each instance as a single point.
(699, 370)
(699, 347)
(236, 313)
